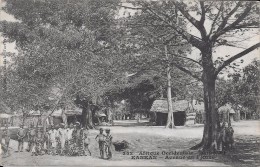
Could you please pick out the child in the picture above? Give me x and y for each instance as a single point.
(6, 136)
(37, 147)
(86, 141)
(52, 137)
(21, 134)
(229, 136)
(101, 142)
(108, 144)
(62, 137)
(31, 137)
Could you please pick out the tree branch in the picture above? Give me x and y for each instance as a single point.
(190, 38)
(234, 24)
(216, 18)
(203, 12)
(186, 71)
(188, 59)
(225, 19)
(191, 19)
(128, 7)
(230, 60)
(199, 25)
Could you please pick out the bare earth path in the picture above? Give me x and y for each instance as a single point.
(153, 139)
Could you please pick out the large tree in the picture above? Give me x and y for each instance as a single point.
(65, 48)
(214, 21)
(151, 47)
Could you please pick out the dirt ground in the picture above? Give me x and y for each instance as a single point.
(154, 139)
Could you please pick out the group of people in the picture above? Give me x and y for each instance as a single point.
(61, 140)
(225, 137)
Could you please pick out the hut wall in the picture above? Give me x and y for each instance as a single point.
(179, 118)
(161, 118)
(57, 120)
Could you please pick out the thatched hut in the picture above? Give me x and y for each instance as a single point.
(196, 113)
(226, 113)
(5, 114)
(160, 108)
(66, 116)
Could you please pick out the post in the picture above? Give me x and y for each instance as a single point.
(170, 119)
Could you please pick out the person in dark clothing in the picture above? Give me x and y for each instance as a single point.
(229, 137)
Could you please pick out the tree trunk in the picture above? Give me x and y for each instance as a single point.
(170, 120)
(211, 125)
(87, 117)
(84, 117)
(64, 117)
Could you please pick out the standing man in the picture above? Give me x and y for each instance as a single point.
(21, 135)
(223, 136)
(229, 136)
(79, 139)
(86, 141)
(6, 136)
(57, 138)
(31, 137)
(101, 142)
(52, 137)
(62, 137)
(108, 144)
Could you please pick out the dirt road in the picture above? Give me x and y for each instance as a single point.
(151, 139)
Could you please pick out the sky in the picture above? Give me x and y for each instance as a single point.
(10, 47)
(220, 51)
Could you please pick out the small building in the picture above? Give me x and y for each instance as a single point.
(5, 114)
(196, 112)
(5, 119)
(226, 113)
(100, 117)
(68, 116)
(160, 108)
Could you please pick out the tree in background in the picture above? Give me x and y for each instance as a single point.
(225, 18)
(65, 51)
(154, 48)
(245, 87)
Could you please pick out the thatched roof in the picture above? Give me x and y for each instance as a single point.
(100, 114)
(162, 106)
(58, 113)
(34, 113)
(226, 108)
(76, 111)
(198, 106)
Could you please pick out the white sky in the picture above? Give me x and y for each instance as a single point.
(220, 51)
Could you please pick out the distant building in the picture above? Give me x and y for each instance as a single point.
(160, 108)
(5, 114)
(67, 116)
(226, 112)
(184, 112)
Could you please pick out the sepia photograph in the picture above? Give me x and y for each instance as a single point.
(129, 83)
